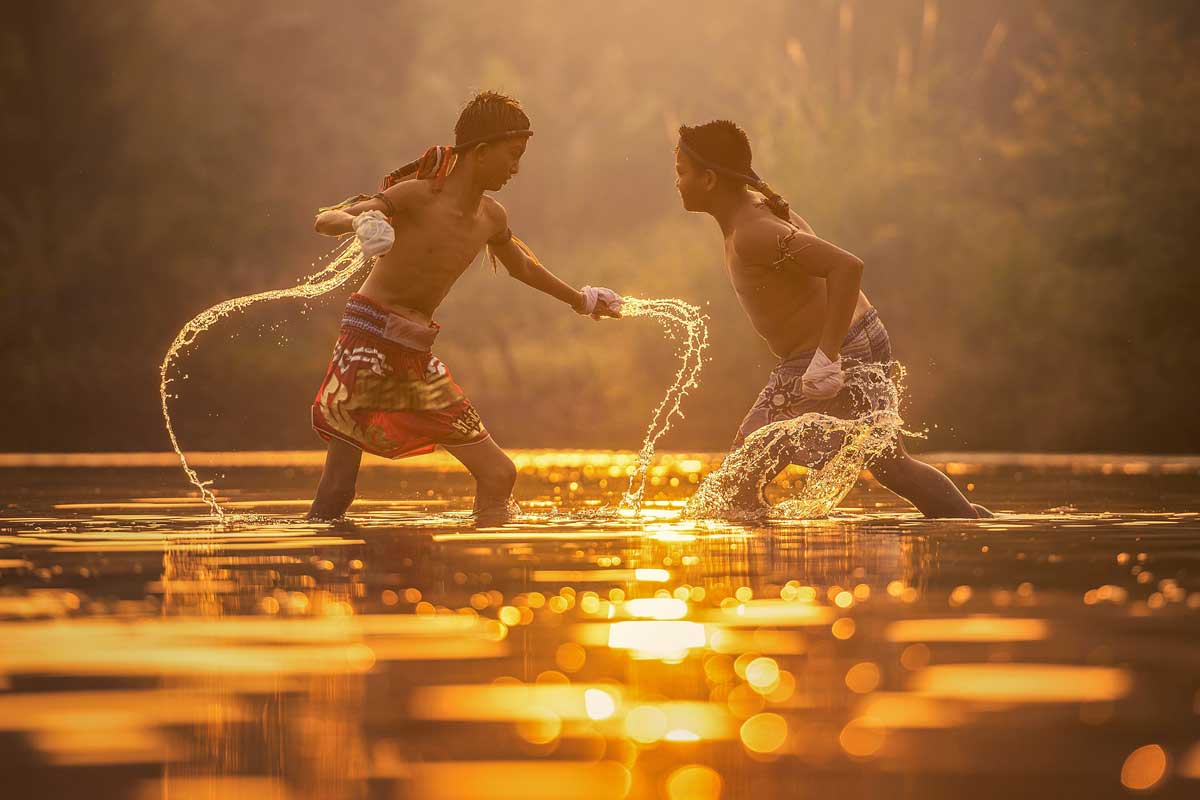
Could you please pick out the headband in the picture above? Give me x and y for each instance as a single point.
(775, 202)
(493, 137)
(436, 162)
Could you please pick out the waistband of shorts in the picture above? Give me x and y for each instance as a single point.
(861, 324)
(364, 314)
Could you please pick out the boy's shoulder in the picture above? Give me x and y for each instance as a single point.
(756, 237)
(491, 205)
(409, 195)
(493, 210)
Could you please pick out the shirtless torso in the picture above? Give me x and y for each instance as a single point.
(436, 240)
(786, 307)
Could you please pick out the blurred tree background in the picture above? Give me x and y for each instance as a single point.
(1020, 177)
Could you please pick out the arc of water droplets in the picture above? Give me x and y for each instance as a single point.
(838, 448)
(681, 320)
(347, 260)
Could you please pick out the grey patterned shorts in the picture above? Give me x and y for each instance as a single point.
(867, 342)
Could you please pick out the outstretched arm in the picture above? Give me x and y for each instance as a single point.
(522, 264)
(340, 221)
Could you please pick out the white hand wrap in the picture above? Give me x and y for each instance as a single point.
(823, 379)
(593, 295)
(374, 232)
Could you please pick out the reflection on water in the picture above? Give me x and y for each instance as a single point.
(1051, 652)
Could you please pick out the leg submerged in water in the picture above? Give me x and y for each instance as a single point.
(931, 491)
(335, 492)
(494, 473)
(927, 488)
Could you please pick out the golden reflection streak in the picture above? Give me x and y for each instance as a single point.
(153, 503)
(475, 702)
(1022, 683)
(774, 612)
(103, 742)
(518, 780)
(119, 708)
(209, 787)
(901, 710)
(217, 546)
(654, 639)
(660, 608)
(968, 629)
(569, 576)
(243, 646)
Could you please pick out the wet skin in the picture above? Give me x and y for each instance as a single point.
(789, 307)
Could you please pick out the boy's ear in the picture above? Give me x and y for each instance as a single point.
(480, 151)
(710, 180)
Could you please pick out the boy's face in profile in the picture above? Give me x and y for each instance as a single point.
(689, 183)
(501, 161)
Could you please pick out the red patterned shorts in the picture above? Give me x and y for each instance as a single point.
(386, 393)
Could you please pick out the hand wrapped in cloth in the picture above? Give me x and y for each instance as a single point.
(375, 234)
(600, 302)
(823, 379)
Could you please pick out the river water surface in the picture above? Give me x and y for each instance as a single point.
(410, 653)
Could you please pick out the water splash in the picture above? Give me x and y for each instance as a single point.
(836, 450)
(343, 263)
(684, 322)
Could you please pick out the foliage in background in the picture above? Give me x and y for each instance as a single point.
(1020, 178)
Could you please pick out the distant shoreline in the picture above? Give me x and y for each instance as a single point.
(956, 463)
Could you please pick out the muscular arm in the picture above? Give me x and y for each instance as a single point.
(523, 265)
(809, 255)
(340, 221)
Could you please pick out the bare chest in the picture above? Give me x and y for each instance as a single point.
(442, 238)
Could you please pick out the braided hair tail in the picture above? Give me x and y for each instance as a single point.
(775, 202)
(435, 163)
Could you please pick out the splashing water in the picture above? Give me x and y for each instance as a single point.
(345, 262)
(837, 451)
(684, 322)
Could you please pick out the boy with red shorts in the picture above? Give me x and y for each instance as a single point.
(385, 392)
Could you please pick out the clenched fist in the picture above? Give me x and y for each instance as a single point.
(375, 234)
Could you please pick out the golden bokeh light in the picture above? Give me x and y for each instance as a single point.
(570, 657)
(694, 782)
(662, 608)
(764, 733)
(646, 724)
(843, 628)
(862, 737)
(915, 657)
(1144, 768)
(863, 677)
(762, 674)
(656, 639)
(599, 704)
(540, 726)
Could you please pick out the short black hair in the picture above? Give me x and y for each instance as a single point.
(487, 114)
(721, 142)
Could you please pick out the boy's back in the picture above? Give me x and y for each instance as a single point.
(786, 306)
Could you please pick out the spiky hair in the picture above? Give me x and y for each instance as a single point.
(721, 142)
(487, 114)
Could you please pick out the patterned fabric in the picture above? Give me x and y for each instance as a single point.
(386, 393)
(782, 398)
